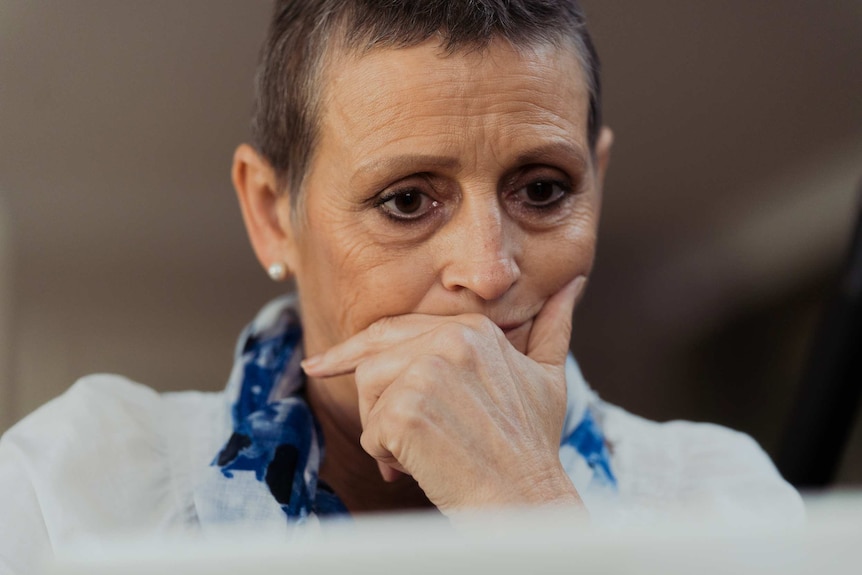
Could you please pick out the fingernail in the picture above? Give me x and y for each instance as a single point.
(580, 282)
(577, 287)
(311, 362)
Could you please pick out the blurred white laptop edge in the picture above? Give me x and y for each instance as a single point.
(500, 543)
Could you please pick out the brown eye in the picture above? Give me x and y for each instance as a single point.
(406, 205)
(542, 193)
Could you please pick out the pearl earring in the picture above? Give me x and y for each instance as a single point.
(277, 271)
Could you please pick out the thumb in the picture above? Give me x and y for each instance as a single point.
(552, 330)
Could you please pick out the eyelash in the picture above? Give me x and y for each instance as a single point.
(381, 201)
(565, 187)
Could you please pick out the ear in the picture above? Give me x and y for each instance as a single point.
(603, 154)
(265, 210)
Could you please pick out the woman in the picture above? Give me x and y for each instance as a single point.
(430, 175)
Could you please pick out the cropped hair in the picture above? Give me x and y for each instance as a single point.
(302, 33)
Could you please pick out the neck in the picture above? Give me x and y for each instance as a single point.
(347, 468)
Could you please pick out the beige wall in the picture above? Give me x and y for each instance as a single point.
(170, 327)
(737, 126)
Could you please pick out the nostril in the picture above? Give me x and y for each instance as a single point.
(489, 280)
(482, 251)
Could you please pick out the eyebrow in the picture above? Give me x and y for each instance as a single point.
(405, 164)
(554, 152)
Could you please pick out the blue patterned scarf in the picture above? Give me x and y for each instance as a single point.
(276, 437)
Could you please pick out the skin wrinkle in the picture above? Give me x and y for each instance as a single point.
(475, 128)
(540, 50)
(465, 78)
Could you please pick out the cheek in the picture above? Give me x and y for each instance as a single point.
(347, 282)
(390, 288)
(561, 255)
(580, 239)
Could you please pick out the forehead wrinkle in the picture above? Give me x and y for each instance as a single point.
(460, 99)
(383, 119)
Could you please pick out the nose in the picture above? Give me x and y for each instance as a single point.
(481, 255)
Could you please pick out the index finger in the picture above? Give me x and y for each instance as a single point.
(384, 333)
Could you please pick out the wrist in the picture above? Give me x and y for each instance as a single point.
(551, 487)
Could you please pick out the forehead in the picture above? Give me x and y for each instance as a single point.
(420, 100)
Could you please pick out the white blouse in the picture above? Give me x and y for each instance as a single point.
(113, 457)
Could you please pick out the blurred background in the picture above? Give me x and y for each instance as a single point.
(727, 210)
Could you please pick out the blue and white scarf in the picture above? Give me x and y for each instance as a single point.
(277, 442)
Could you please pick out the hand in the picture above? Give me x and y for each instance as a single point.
(448, 400)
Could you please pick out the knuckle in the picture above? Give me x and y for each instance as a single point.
(406, 415)
(478, 324)
(420, 370)
(362, 373)
(483, 325)
(392, 424)
(459, 339)
(377, 330)
(369, 441)
(432, 364)
(456, 332)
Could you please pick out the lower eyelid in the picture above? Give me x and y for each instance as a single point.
(406, 219)
(543, 210)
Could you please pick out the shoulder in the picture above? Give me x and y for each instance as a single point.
(701, 467)
(106, 455)
(87, 417)
(89, 425)
(89, 401)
